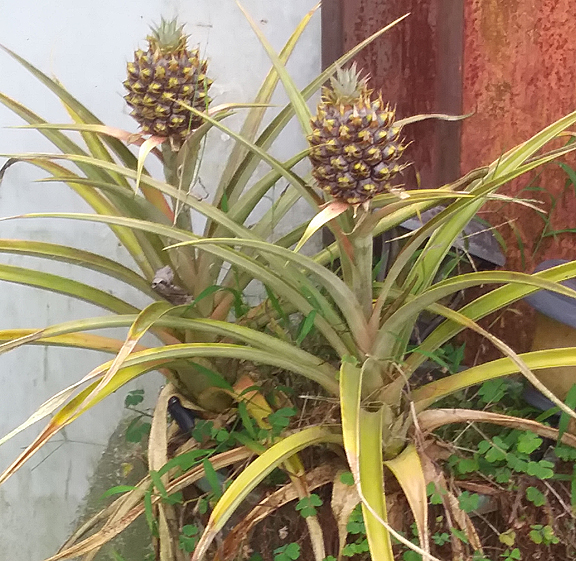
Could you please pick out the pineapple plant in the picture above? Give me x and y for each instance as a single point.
(355, 143)
(163, 80)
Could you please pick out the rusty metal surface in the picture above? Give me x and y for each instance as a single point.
(519, 74)
(512, 63)
(416, 65)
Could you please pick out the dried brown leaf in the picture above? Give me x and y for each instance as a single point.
(434, 418)
(344, 500)
(108, 532)
(233, 541)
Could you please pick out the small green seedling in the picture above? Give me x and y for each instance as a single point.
(189, 538)
(535, 496)
(511, 555)
(468, 502)
(307, 505)
(288, 552)
(543, 534)
(435, 493)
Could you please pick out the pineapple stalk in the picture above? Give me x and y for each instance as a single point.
(362, 284)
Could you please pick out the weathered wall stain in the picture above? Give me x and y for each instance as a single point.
(496, 18)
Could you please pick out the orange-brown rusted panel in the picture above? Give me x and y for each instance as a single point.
(519, 74)
(417, 67)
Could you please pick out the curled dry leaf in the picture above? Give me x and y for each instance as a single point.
(435, 418)
(109, 532)
(455, 516)
(407, 468)
(168, 529)
(344, 500)
(329, 212)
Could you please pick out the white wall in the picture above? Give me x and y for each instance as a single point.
(86, 46)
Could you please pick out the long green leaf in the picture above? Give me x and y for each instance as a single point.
(329, 326)
(350, 400)
(79, 340)
(535, 360)
(142, 324)
(171, 353)
(141, 207)
(66, 145)
(440, 242)
(481, 307)
(254, 119)
(68, 287)
(325, 374)
(372, 485)
(202, 207)
(90, 133)
(242, 209)
(342, 296)
(296, 98)
(246, 169)
(505, 350)
(245, 262)
(307, 192)
(134, 366)
(83, 113)
(100, 204)
(64, 417)
(419, 277)
(79, 257)
(415, 305)
(454, 217)
(350, 404)
(60, 140)
(94, 144)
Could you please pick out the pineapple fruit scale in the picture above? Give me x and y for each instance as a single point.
(163, 77)
(355, 144)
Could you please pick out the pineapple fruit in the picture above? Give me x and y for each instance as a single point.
(355, 143)
(163, 77)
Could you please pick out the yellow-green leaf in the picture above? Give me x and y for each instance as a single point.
(407, 469)
(254, 474)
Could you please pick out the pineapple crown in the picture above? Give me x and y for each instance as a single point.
(169, 36)
(347, 86)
